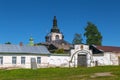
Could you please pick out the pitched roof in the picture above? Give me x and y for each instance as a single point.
(59, 44)
(108, 48)
(4, 48)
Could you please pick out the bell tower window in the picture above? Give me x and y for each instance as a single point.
(57, 37)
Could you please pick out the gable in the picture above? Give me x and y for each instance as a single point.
(95, 50)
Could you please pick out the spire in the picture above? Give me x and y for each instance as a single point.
(55, 23)
(55, 27)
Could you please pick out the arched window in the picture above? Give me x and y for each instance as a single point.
(57, 37)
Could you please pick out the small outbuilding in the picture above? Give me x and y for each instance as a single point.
(15, 56)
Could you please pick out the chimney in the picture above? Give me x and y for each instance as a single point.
(21, 44)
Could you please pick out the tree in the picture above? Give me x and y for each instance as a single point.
(93, 36)
(8, 43)
(77, 39)
(59, 51)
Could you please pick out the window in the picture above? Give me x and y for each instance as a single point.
(22, 60)
(38, 60)
(57, 37)
(1, 60)
(14, 60)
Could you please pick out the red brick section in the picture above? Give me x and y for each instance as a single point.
(109, 48)
(21, 43)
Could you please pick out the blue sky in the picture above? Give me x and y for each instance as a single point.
(20, 19)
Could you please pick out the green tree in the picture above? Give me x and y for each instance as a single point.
(8, 43)
(93, 36)
(59, 51)
(77, 39)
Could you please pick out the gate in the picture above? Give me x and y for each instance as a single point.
(82, 60)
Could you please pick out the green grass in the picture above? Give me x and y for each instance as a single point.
(61, 73)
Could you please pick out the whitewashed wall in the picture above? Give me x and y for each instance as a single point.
(53, 36)
(81, 49)
(59, 61)
(109, 58)
(7, 61)
(46, 61)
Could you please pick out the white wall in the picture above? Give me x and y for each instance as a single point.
(7, 61)
(59, 61)
(53, 36)
(109, 58)
(46, 61)
(81, 49)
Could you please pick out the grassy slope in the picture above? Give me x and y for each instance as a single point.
(60, 73)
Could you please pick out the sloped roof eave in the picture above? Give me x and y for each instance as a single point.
(109, 48)
(23, 53)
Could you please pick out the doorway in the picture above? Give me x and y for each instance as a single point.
(33, 63)
(82, 60)
(118, 60)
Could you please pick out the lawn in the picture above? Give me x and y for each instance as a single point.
(93, 73)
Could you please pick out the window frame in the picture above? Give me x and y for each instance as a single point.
(38, 60)
(1, 60)
(14, 60)
(23, 59)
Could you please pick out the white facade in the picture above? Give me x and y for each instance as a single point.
(109, 58)
(8, 61)
(17, 60)
(105, 58)
(81, 50)
(54, 36)
(45, 61)
(59, 61)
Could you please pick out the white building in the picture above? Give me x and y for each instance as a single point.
(85, 55)
(88, 56)
(15, 56)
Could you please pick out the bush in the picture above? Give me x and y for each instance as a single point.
(59, 51)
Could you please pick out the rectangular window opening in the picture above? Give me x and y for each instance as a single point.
(1, 60)
(38, 60)
(22, 60)
(14, 60)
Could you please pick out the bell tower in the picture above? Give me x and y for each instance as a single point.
(55, 33)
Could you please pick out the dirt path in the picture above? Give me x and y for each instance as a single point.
(101, 74)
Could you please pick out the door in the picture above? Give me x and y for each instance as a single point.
(82, 60)
(118, 60)
(33, 63)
